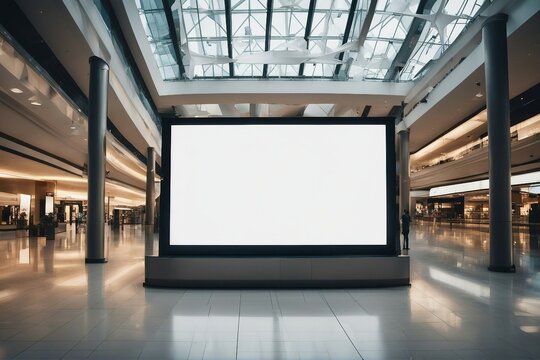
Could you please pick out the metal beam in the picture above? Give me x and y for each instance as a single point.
(347, 32)
(268, 35)
(366, 25)
(367, 22)
(309, 24)
(228, 23)
(254, 110)
(410, 41)
(365, 112)
(174, 38)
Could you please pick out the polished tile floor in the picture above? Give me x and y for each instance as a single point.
(52, 306)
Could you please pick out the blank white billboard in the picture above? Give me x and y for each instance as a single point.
(278, 185)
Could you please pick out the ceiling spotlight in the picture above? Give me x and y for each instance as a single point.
(16, 90)
(35, 103)
(73, 130)
(479, 95)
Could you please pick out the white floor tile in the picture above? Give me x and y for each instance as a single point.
(454, 309)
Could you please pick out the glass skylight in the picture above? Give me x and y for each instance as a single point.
(298, 38)
(450, 22)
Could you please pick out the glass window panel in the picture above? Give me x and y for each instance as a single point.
(240, 24)
(217, 4)
(380, 48)
(403, 26)
(248, 70)
(319, 70)
(318, 25)
(210, 28)
(190, 22)
(198, 71)
(337, 23)
(297, 23)
(249, 5)
(389, 28)
(257, 23)
(194, 46)
(376, 24)
(333, 4)
(238, 4)
(169, 72)
(149, 4)
(203, 24)
(454, 7)
(283, 70)
(381, 5)
(430, 47)
(290, 23)
(211, 48)
(454, 30)
(324, 46)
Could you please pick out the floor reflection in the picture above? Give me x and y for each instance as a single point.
(52, 305)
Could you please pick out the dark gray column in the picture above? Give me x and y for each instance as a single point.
(404, 172)
(108, 209)
(97, 125)
(402, 145)
(150, 185)
(498, 111)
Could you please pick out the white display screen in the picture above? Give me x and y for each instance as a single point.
(278, 185)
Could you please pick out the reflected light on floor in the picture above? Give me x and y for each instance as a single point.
(466, 286)
(6, 294)
(67, 255)
(530, 329)
(79, 280)
(528, 305)
(24, 256)
(82, 280)
(123, 272)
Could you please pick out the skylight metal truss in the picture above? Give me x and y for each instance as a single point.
(307, 32)
(445, 26)
(161, 38)
(228, 23)
(307, 38)
(347, 33)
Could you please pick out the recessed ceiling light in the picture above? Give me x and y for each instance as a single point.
(479, 95)
(72, 127)
(16, 90)
(35, 102)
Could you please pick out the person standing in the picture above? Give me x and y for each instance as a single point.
(405, 223)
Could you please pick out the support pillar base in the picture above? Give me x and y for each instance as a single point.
(505, 269)
(95, 261)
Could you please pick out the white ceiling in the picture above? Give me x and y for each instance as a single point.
(53, 132)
